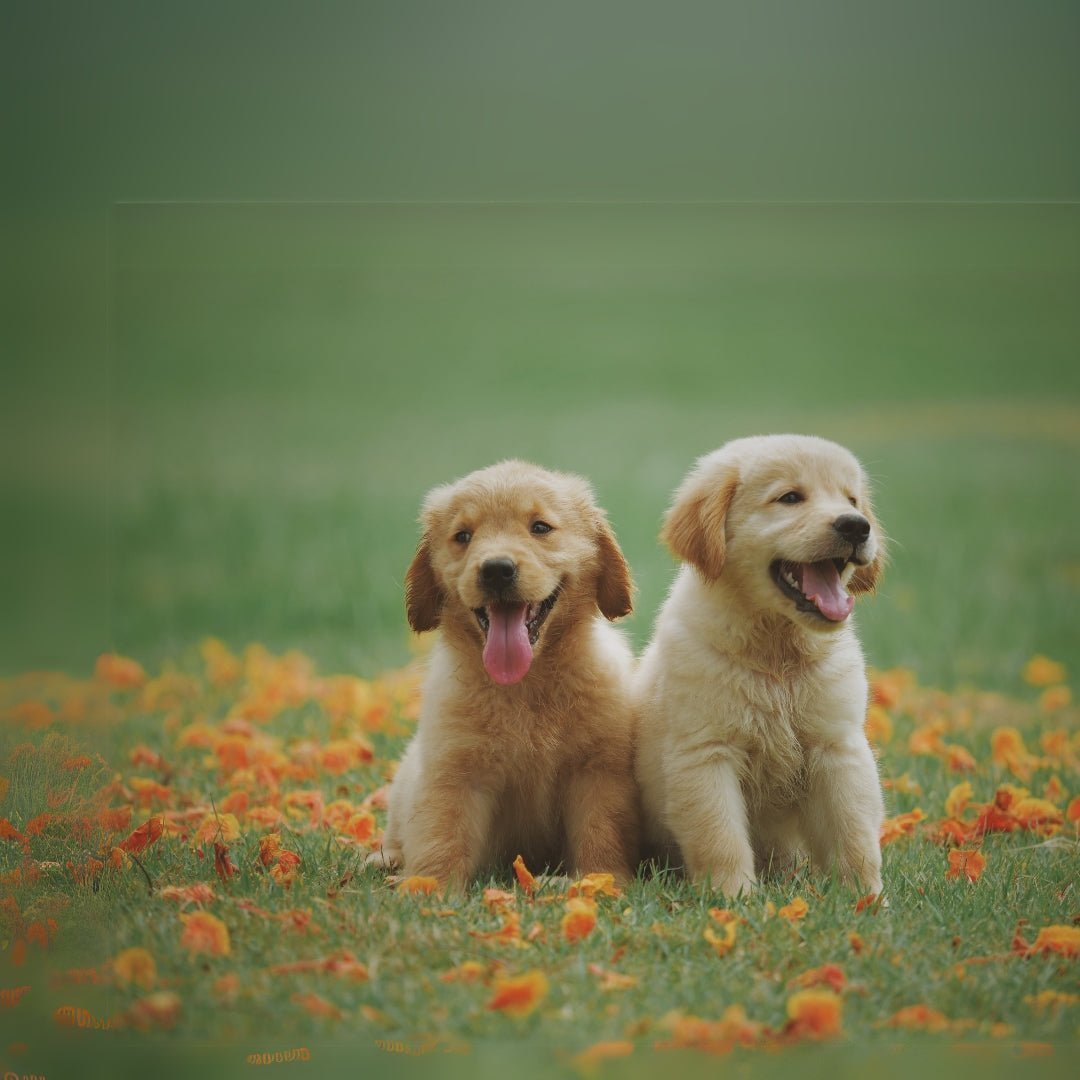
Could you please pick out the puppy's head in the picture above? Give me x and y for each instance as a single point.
(786, 520)
(509, 555)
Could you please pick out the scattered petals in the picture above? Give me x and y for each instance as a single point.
(1047, 1000)
(956, 802)
(967, 864)
(815, 1014)
(204, 933)
(579, 920)
(469, 971)
(902, 825)
(594, 885)
(519, 995)
(794, 911)
(919, 1018)
(1042, 671)
(422, 885)
(146, 834)
(135, 967)
(315, 1005)
(524, 877)
(829, 975)
(1064, 940)
(119, 672)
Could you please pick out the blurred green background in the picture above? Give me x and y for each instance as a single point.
(270, 272)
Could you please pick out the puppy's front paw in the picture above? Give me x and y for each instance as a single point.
(730, 883)
(862, 871)
(384, 859)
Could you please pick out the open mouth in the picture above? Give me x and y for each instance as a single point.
(510, 632)
(815, 587)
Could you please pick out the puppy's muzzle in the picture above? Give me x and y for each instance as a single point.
(497, 576)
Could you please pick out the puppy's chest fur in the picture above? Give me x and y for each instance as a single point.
(525, 754)
(780, 729)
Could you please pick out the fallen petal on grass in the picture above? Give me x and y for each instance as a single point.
(519, 995)
(205, 933)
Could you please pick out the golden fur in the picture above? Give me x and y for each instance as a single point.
(543, 767)
(751, 710)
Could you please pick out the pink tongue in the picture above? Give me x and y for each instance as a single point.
(507, 652)
(821, 584)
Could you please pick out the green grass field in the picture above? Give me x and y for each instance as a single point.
(284, 384)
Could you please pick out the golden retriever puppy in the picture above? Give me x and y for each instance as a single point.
(524, 744)
(751, 697)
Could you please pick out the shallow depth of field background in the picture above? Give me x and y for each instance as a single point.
(233, 370)
(287, 381)
(269, 274)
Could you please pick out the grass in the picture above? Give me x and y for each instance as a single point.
(284, 385)
(943, 944)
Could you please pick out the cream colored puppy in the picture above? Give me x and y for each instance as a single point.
(524, 744)
(752, 695)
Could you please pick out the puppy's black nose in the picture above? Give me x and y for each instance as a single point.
(854, 528)
(498, 573)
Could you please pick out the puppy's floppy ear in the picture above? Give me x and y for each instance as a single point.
(424, 598)
(614, 586)
(865, 578)
(695, 526)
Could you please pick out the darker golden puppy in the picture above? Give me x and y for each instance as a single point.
(524, 740)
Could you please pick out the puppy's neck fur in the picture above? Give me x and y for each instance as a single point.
(763, 641)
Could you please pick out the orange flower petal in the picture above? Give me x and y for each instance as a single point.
(318, 1006)
(147, 833)
(594, 885)
(199, 893)
(901, 825)
(919, 1018)
(221, 827)
(204, 933)
(1054, 698)
(1042, 671)
(815, 1014)
(1064, 940)
(422, 885)
(829, 975)
(580, 918)
(519, 995)
(794, 911)
(723, 942)
(134, 966)
(957, 800)
(119, 672)
(524, 877)
(969, 864)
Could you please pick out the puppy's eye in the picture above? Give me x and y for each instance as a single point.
(463, 537)
(853, 500)
(539, 528)
(791, 497)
